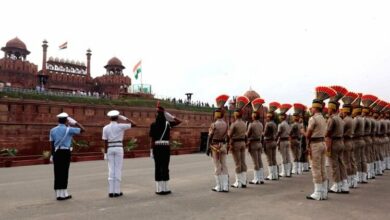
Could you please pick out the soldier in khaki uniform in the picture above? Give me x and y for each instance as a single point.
(217, 140)
(283, 137)
(367, 101)
(349, 155)
(316, 143)
(335, 143)
(269, 141)
(377, 107)
(255, 148)
(387, 119)
(359, 143)
(237, 137)
(296, 132)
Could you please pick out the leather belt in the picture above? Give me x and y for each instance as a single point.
(317, 139)
(337, 138)
(238, 139)
(283, 139)
(254, 139)
(218, 141)
(347, 138)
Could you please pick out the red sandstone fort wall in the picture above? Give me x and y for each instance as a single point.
(25, 124)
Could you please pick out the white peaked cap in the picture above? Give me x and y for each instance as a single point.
(63, 115)
(112, 113)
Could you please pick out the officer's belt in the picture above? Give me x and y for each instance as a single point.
(294, 137)
(337, 138)
(347, 138)
(283, 139)
(162, 143)
(62, 148)
(238, 139)
(317, 139)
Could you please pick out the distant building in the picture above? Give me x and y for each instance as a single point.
(60, 74)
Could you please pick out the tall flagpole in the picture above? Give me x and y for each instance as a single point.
(142, 85)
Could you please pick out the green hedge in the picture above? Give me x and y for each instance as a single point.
(134, 102)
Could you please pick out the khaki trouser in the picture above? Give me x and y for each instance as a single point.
(377, 148)
(339, 172)
(219, 159)
(283, 149)
(361, 160)
(349, 157)
(368, 149)
(295, 146)
(238, 152)
(318, 162)
(255, 150)
(270, 151)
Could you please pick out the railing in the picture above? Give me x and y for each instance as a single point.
(74, 98)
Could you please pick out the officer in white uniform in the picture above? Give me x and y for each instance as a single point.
(113, 137)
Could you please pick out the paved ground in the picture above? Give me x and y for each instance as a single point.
(26, 193)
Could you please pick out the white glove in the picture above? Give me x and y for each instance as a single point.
(51, 159)
(71, 121)
(105, 156)
(169, 117)
(71, 148)
(121, 117)
(151, 153)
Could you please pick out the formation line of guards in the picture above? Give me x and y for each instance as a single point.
(347, 145)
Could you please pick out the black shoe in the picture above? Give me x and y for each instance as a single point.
(68, 197)
(160, 193)
(373, 177)
(225, 191)
(243, 186)
(60, 198)
(261, 182)
(288, 176)
(331, 191)
(364, 182)
(110, 195)
(344, 192)
(168, 192)
(118, 194)
(256, 183)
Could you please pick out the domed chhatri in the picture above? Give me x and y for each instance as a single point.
(114, 66)
(16, 43)
(251, 94)
(114, 62)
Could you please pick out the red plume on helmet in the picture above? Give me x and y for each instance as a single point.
(221, 100)
(284, 108)
(299, 108)
(273, 106)
(379, 105)
(241, 102)
(349, 98)
(257, 103)
(324, 92)
(356, 103)
(368, 100)
(340, 92)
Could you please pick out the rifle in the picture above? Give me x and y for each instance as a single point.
(208, 148)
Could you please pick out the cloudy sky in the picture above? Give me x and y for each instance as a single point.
(281, 49)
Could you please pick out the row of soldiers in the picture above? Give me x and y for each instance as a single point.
(353, 141)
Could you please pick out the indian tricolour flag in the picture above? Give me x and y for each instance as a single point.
(63, 46)
(137, 69)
